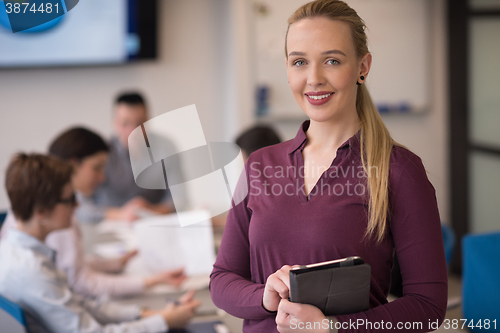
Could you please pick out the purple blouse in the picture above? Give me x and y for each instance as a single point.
(278, 225)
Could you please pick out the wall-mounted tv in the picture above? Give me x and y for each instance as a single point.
(95, 32)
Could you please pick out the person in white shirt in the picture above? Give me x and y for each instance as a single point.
(87, 152)
(42, 200)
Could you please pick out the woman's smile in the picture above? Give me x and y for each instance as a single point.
(318, 98)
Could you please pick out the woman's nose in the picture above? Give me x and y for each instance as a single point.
(315, 75)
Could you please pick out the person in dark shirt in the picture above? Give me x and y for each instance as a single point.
(342, 187)
(256, 137)
(119, 189)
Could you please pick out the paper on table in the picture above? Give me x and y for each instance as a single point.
(111, 250)
(164, 245)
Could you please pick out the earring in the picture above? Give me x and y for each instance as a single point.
(362, 78)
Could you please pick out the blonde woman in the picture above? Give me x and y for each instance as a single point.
(342, 187)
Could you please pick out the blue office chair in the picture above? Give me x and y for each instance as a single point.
(12, 317)
(3, 216)
(481, 279)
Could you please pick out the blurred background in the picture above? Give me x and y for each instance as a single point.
(435, 64)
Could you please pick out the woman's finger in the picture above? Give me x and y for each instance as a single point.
(279, 286)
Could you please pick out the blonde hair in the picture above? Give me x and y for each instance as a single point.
(375, 141)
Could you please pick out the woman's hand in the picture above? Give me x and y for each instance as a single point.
(296, 317)
(277, 288)
(175, 278)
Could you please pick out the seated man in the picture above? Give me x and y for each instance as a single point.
(120, 188)
(43, 200)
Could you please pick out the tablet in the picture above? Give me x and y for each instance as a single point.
(344, 262)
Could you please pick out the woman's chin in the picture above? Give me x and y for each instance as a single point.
(318, 116)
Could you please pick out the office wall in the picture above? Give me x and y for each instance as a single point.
(427, 134)
(36, 104)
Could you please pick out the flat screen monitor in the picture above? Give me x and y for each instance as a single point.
(95, 32)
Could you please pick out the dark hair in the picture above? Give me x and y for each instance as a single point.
(77, 143)
(131, 98)
(257, 137)
(35, 181)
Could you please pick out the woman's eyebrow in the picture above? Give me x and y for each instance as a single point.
(295, 53)
(334, 52)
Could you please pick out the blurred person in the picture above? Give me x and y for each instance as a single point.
(42, 198)
(87, 153)
(119, 188)
(251, 140)
(257, 137)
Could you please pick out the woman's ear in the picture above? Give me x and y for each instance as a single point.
(365, 64)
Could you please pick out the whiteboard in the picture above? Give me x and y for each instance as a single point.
(398, 37)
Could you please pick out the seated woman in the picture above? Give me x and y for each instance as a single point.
(42, 200)
(87, 153)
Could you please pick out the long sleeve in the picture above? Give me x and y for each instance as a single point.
(278, 224)
(28, 277)
(92, 283)
(81, 277)
(416, 230)
(231, 286)
(62, 311)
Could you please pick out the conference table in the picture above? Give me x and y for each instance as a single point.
(157, 298)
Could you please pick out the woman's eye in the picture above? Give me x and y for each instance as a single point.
(333, 62)
(299, 63)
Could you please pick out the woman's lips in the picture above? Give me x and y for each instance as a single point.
(319, 98)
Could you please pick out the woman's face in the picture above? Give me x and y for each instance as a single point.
(60, 216)
(89, 173)
(323, 68)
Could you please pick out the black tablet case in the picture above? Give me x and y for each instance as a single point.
(335, 291)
